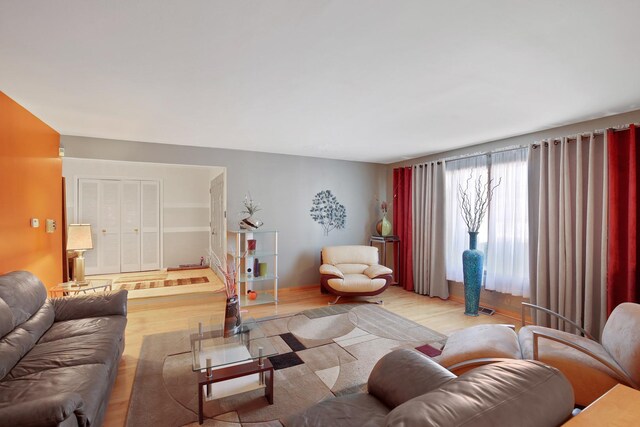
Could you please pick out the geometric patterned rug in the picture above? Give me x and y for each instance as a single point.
(130, 286)
(322, 353)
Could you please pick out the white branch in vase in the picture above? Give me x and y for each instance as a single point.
(473, 213)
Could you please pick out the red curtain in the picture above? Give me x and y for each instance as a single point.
(622, 270)
(402, 217)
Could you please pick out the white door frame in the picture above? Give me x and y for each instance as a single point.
(223, 231)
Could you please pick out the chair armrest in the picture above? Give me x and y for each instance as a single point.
(377, 270)
(91, 305)
(45, 411)
(331, 270)
(622, 376)
(553, 313)
(404, 374)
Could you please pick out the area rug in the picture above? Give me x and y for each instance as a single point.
(140, 277)
(132, 286)
(323, 353)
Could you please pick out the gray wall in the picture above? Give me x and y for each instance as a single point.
(284, 185)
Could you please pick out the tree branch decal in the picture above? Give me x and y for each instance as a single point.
(326, 211)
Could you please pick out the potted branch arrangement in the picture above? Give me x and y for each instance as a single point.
(232, 319)
(250, 209)
(474, 204)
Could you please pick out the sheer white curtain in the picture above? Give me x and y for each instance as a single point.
(457, 238)
(507, 256)
(428, 230)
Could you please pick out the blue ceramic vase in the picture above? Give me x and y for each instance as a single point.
(473, 269)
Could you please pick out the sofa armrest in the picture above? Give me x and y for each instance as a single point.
(45, 411)
(331, 270)
(377, 270)
(404, 374)
(91, 305)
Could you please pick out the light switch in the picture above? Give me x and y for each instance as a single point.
(50, 225)
(35, 222)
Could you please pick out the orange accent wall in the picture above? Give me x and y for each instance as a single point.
(30, 187)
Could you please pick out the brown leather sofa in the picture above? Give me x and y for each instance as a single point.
(58, 357)
(408, 389)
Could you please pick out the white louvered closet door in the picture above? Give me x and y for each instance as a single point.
(88, 213)
(150, 217)
(130, 227)
(109, 226)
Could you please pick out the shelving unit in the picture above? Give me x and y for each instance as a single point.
(266, 250)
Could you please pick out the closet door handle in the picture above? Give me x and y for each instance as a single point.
(104, 230)
(135, 229)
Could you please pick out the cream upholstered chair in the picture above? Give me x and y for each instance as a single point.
(592, 367)
(352, 271)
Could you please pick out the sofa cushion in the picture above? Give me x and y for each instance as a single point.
(346, 411)
(518, 392)
(24, 295)
(18, 342)
(101, 347)
(88, 382)
(404, 374)
(87, 326)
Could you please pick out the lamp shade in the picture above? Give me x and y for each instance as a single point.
(79, 237)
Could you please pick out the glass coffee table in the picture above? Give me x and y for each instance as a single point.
(72, 288)
(237, 362)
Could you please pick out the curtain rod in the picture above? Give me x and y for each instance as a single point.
(533, 145)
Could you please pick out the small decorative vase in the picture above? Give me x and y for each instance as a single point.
(250, 223)
(473, 270)
(232, 318)
(383, 227)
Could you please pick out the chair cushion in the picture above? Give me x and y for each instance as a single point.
(621, 338)
(100, 347)
(350, 255)
(377, 270)
(478, 342)
(590, 378)
(356, 283)
(358, 409)
(347, 268)
(514, 393)
(91, 382)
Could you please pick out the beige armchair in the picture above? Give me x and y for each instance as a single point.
(592, 367)
(352, 271)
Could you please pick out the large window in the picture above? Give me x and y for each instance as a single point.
(503, 236)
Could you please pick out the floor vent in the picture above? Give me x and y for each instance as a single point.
(487, 311)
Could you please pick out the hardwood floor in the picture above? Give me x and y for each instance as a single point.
(164, 314)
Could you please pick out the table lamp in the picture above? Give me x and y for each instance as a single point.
(79, 240)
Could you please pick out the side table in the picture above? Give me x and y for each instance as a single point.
(618, 407)
(383, 241)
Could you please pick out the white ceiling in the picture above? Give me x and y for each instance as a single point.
(364, 80)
